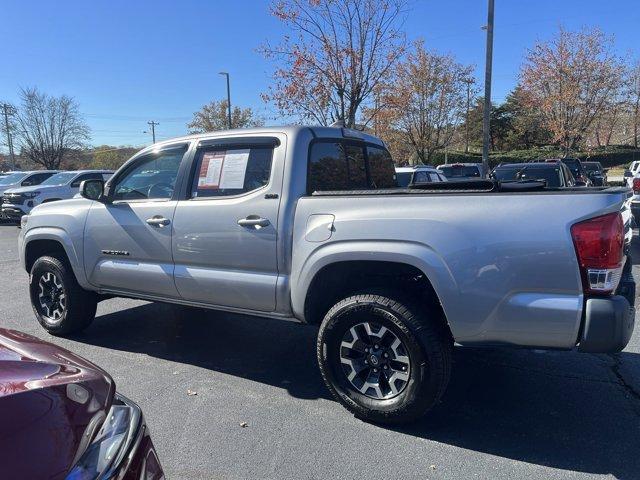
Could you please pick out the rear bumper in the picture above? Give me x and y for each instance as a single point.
(608, 322)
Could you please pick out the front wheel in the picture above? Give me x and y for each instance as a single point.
(383, 359)
(61, 305)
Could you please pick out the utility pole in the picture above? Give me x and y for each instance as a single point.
(6, 108)
(228, 100)
(468, 81)
(153, 124)
(487, 89)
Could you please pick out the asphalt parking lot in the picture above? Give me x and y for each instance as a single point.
(507, 413)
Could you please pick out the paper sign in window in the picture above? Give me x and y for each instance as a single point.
(210, 170)
(234, 169)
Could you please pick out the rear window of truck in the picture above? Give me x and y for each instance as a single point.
(460, 171)
(340, 165)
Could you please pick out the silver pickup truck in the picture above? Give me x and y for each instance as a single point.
(307, 224)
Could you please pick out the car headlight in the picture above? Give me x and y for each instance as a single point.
(106, 453)
(31, 194)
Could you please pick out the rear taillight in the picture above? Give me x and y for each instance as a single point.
(636, 185)
(599, 245)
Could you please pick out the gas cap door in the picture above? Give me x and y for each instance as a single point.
(319, 227)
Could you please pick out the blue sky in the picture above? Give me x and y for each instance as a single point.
(127, 62)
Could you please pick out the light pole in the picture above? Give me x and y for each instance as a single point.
(9, 110)
(487, 89)
(468, 81)
(228, 99)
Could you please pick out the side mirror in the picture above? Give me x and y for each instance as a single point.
(605, 170)
(92, 189)
(627, 174)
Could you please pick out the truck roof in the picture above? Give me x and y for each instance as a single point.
(290, 130)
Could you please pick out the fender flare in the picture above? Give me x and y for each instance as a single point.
(415, 254)
(62, 237)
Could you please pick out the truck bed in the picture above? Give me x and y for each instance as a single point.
(503, 265)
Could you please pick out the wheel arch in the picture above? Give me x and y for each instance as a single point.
(52, 241)
(337, 270)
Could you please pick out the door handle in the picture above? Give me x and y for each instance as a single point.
(158, 221)
(254, 221)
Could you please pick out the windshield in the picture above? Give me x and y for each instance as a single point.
(59, 178)
(13, 178)
(591, 167)
(460, 171)
(403, 178)
(551, 174)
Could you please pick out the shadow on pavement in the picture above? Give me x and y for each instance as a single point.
(270, 351)
(530, 408)
(564, 410)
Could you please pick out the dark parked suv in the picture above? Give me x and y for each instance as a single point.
(596, 173)
(555, 174)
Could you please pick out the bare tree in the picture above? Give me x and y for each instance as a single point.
(213, 116)
(48, 127)
(427, 100)
(569, 80)
(339, 52)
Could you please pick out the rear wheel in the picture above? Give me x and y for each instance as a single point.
(383, 358)
(61, 306)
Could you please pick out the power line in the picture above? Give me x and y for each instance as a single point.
(134, 118)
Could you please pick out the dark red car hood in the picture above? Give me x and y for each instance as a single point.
(51, 403)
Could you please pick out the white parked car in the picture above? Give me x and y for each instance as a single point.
(632, 179)
(632, 171)
(17, 202)
(406, 176)
(23, 179)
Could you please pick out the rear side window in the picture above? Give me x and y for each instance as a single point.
(348, 166)
(36, 179)
(233, 171)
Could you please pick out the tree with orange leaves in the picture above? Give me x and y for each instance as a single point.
(339, 51)
(426, 102)
(569, 81)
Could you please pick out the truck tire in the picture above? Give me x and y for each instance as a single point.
(385, 360)
(61, 305)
